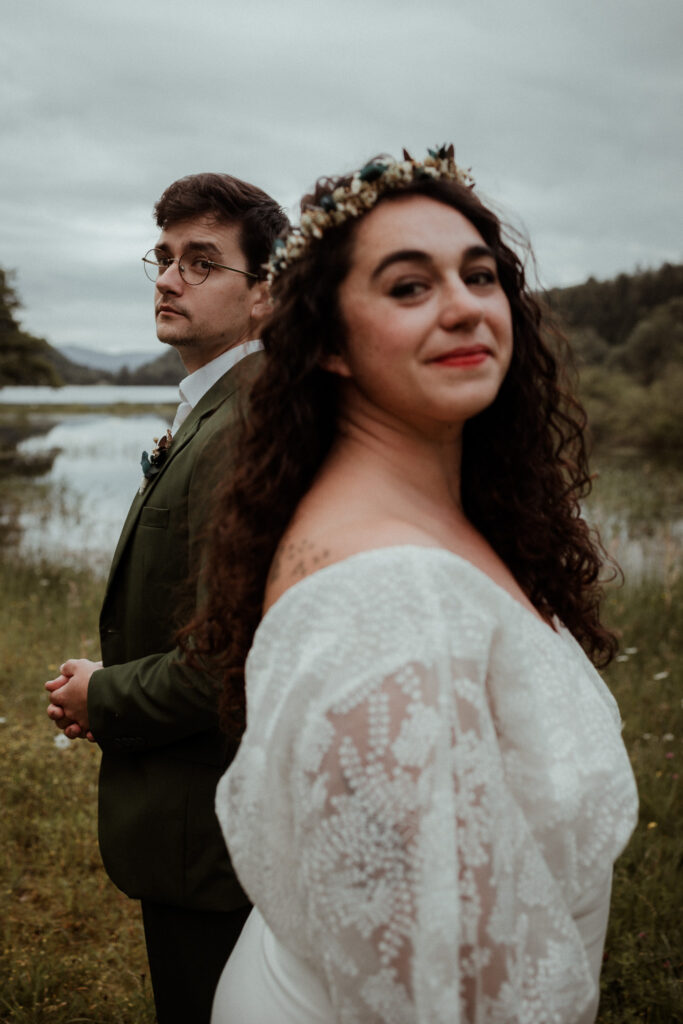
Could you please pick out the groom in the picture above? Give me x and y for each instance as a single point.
(154, 718)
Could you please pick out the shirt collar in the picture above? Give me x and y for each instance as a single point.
(193, 387)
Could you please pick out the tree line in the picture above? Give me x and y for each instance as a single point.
(26, 359)
(625, 335)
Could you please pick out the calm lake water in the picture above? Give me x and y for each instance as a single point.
(81, 503)
(72, 514)
(100, 394)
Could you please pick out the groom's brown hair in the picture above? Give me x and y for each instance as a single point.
(232, 201)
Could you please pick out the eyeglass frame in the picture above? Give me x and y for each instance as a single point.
(178, 259)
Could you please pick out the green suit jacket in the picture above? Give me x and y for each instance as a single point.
(154, 717)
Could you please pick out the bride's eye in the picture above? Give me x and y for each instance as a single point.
(481, 276)
(407, 289)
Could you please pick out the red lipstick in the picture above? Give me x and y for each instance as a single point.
(471, 355)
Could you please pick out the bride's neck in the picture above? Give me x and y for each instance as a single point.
(400, 461)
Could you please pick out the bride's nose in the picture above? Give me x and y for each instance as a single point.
(461, 308)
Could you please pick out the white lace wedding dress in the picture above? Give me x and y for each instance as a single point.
(425, 807)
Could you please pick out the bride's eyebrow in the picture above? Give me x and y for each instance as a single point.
(401, 255)
(474, 252)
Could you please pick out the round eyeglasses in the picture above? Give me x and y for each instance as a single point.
(193, 267)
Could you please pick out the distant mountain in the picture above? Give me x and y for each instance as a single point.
(165, 369)
(28, 360)
(112, 362)
(25, 359)
(75, 373)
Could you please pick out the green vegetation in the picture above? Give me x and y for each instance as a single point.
(642, 976)
(627, 339)
(626, 336)
(25, 359)
(72, 947)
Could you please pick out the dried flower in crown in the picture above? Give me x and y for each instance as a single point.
(358, 195)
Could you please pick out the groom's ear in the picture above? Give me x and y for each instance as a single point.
(261, 305)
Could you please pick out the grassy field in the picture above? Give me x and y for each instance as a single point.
(72, 948)
(642, 978)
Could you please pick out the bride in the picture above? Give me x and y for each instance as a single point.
(432, 787)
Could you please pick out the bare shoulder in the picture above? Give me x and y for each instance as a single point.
(303, 551)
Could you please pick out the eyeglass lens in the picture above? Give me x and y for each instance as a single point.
(194, 268)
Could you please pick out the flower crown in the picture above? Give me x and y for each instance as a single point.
(358, 194)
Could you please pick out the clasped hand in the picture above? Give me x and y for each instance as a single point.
(68, 707)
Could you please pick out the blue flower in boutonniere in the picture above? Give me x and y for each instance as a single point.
(151, 464)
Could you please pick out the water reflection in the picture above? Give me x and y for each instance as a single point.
(73, 514)
(655, 552)
(82, 502)
(637, 505)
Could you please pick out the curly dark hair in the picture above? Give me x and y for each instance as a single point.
(524, 465)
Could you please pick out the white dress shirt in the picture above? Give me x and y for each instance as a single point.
(193, 387)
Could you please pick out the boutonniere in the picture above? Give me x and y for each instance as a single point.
(151, 464)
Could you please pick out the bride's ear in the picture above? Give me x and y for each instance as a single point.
(336, 363)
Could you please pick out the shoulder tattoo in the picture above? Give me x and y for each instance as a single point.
(297, 559)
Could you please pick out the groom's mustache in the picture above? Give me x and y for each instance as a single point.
(169, 307)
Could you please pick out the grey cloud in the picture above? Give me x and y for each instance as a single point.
(568, 114)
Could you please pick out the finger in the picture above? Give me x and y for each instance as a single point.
(74, 732)
(54, 684)
(55, 712)
(89, 737)
(69, 667)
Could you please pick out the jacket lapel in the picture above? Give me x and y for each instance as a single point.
(224, 388)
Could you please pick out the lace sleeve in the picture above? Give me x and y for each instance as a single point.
(426, 898)
(429, 796)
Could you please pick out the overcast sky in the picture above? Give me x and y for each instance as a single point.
(567, 111)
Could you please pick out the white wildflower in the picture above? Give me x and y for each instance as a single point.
(61, 741)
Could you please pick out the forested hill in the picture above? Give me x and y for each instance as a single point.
(25, 359)
(627, 337)
(614, 308)
(633, 323)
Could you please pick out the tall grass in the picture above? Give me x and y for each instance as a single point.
(642, 977)
(72, 948)
(71, 945)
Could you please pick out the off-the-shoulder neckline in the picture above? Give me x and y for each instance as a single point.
(392, 549)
